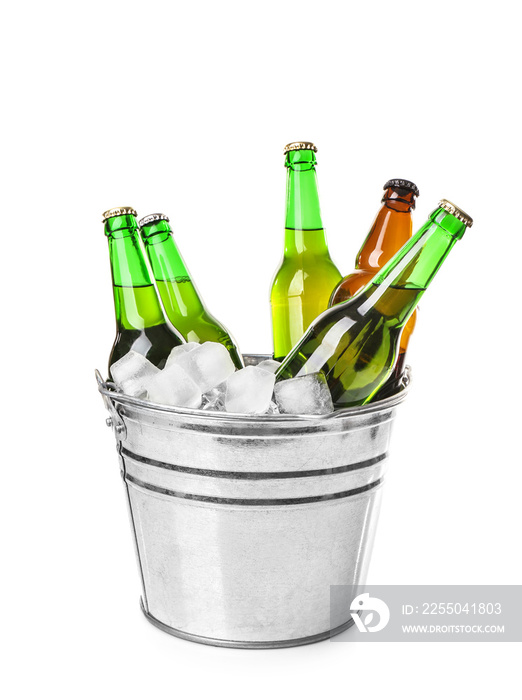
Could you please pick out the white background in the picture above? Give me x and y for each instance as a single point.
(185, 108)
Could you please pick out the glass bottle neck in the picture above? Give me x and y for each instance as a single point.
(303, 223)
(389, 232)
(135, 299)
(178, 294)
(165, 258)
(396, 290)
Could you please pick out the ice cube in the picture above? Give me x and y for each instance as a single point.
(180, 350)
(214, 400)
(269, 365)
(208, 365)
(173, 387)
(308, 394)
(249, 391)
(132, 372)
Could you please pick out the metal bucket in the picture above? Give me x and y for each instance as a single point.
(243, 523)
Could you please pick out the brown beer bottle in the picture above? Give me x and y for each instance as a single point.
(391, 229)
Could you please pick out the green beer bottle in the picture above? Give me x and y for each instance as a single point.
(179, 296)
(355, 343)
(307, 275)
(140, 323)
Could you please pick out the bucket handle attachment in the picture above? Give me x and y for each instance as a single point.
(115, 421)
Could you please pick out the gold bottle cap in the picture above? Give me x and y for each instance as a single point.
(300, 146)
(457, 213)
(118, 211)
(151, 218)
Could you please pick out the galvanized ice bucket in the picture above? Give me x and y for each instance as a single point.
(243, 523)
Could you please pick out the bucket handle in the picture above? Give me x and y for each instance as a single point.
(115, 421)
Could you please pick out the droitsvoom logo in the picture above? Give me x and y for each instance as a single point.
(372, 605)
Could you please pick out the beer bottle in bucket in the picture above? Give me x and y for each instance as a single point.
(307, 275)
(182, 303)
(356, 343)
(391, 229)
(140, 323)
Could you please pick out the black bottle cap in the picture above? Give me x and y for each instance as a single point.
(405, 184)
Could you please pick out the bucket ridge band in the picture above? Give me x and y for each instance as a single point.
(254, 476)
(253, 501)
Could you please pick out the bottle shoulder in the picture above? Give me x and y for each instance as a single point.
(153, 342)
(294, 278)
(204, 326)
(351, 284)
